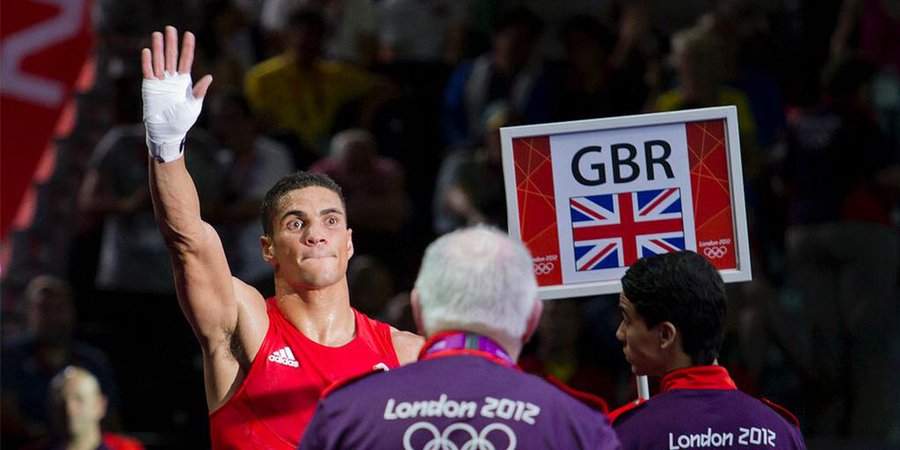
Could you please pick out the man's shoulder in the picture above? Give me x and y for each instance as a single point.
(333, 67)
(620, 414)
(272, 67)
(731, 403)
(588, 399)
(406, 345)
(121, 442)
(663, 406)
(765, 408)
(785, 413)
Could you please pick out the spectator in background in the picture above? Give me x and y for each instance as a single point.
(745, 31)
(235, 46)
(636, 56)
(352, 26)
(589, 86)
(429, 31)
(374, 189)
(506, 73)
(32, 361)
(876, 24)
(842, 253)
(469, 188)
(77, 406)
(254, 163)
(301, 93)
(702, 64)
(133, 256)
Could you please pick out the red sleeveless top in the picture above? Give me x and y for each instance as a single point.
(278, 397)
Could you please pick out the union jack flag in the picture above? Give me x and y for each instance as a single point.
(614, 230)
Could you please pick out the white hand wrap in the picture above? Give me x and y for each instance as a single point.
(170, 109)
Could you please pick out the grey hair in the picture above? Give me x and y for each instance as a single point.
(72, 372)
(476, 279)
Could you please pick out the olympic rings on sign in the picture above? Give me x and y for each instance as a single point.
(473, 440)
(543, 268)
(715, 252)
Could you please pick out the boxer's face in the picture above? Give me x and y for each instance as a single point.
(310, 243)
(641, 345)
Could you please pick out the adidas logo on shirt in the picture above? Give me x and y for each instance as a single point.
(285, 357)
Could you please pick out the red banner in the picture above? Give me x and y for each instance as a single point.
(43, 46)
(537, 212)
(712, 192)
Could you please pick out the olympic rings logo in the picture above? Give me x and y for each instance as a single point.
(715, 252)
(474, 441)
(543, 268)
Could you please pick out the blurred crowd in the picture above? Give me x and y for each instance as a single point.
(401, 102)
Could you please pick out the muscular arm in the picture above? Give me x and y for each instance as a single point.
(211, 300)
(203, 280)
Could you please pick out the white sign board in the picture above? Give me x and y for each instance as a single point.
(588, 198)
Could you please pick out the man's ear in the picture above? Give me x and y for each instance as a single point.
(102, 406)
(416, 311)
(534, 319)
(349, 243)
(667, 335)
(267, 244)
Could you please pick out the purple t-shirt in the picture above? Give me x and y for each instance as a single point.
(464, 399)
(705, 418)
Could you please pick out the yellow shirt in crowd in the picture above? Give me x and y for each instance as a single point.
(304, 100)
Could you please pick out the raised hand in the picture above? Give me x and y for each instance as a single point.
(171, 102)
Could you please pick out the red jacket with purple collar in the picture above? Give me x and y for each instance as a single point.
(700, 407)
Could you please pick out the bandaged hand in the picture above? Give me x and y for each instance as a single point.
(170, 109)
(172, 103)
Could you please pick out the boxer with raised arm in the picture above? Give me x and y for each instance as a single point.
(265, 361)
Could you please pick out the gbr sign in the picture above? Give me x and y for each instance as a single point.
(589, 198)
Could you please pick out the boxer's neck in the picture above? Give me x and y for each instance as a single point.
(324, 315)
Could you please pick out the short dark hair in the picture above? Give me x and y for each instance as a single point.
(591, 27)
(292, 182)
(685, 289)
(307, 17)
